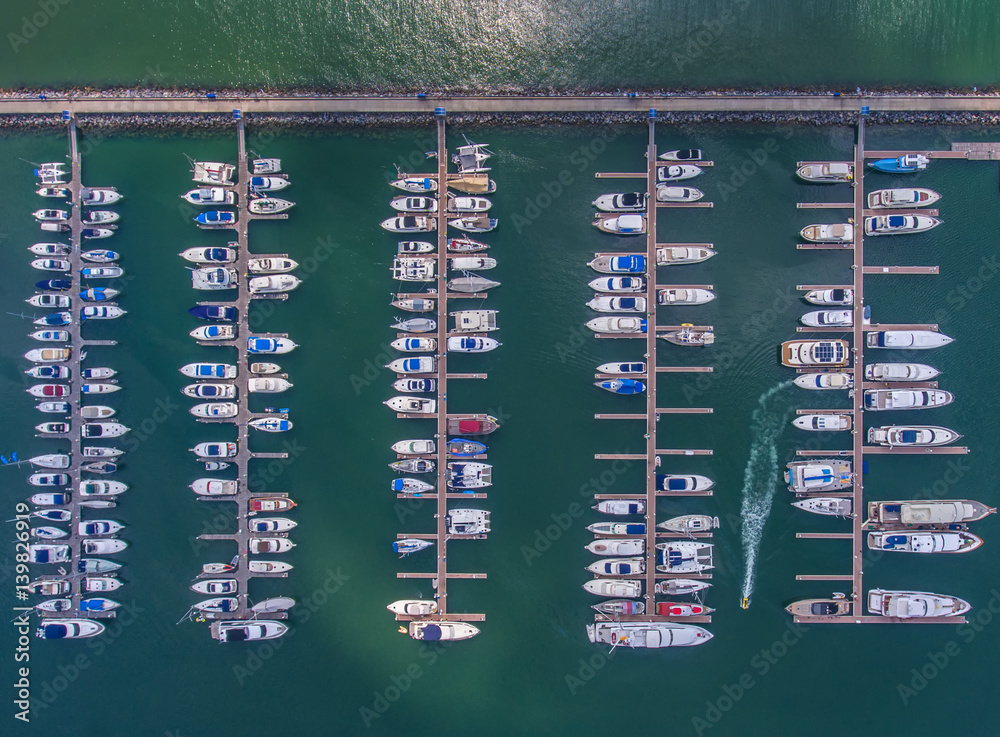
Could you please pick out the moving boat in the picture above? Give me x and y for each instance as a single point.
(829, 233)
(921, 436)
(687, 336)
(831, 506)
(471, 263)
(414, 345)
(680, 255)
(825, 380)
(677, 172)
(214, 312)
(258, 344)
(414, 385)
(273, 284)
(472, 424)
(214, 450)
(647, 635)
(618, 284)
(214, 332)
(683, 484)
(422, 365)
(907, 339)
(623, 546)
(815, 476)
(928, 512)
(209, 370)
(471, 284)
(823, 422)
(683, 297)
(622, 368)
(617, 304)
(440, 631)
(618, 567)
(826, 172)
(684, 556)
(408, 203)
(216, 219)
(270, 424)
(410, 268)
(409, 224)
(412, 405)
(199, 255)
(415, 324)
(620, 506)
(681, 154)
(413, 447)
(838, 606)
(815, 353)
(415, 184)
(678, 194)
(621, 224)
(269, 205)
(621, 386)
(632, 263)
(215, 410)
(627, 202)
(268, 183)
(900, 372)
(247, 631)
(472, 345)
(474, 321)
(877, 400)
(899, 224)
(622, 325)
(214, 277)
(690, 523)
(210, 391)
(210, 196)
(896, 541)
(266, 385)
(618, 529)
(902, 165)
(60, 629)
(617, 588)
(908, 197)
(828, 318)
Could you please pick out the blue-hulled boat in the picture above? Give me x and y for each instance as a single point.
(903, 165)
(98, 604)
(622, 386)
(55, 285)
(215, 312)
(216, 219)
(462, 448)
(409, 546)
(99, 294)
(55, 318)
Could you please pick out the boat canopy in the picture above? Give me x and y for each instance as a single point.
(430, 632)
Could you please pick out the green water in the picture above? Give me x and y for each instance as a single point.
(527, 673)
(531, 43)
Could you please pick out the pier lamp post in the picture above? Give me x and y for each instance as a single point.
(439, 112)
(652, 113)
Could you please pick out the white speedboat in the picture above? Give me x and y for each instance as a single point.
(680, 586)
(102, 488)
(99, 527)
(912, 604)
(618, 325)
(210, 391)
(647, 635)
(626, 202)
(199, 255)
(49, 372)
(50, 336)
(616, 588)
(100, 256)
(412, 268)
(48, 355)
(410, 487)
(97, 451)
(415, 247)
(216, 586)
(273, 284)
(102, 430)
(61, 408)
(902, 541)
(907, 339)
(90, 196)
(825, 380)
(681, 255)
(618, 284)
(269, 566)
(828, 318)
(687, 524)
(462, 344)
(471, 284)
(441, 631)
(830, 296)
(617, 304)
(212, 172)
(266, 166)
(683, 483)
(102, 546)
(48, 300)
(210, 196)
(50, 264)
(617, 567)
(817, 476)
(101, 312)
(100, 217)
(412, 405)
(57, 192)
(621, 506)
(409, 224)
(907, 197)
(917, 436)
(630, 263)
(831, 506)
(48, 391)
(49, 249)
(620, 547)
(471, 263)
(826, 172)
(679, 297)
(271, 524)
(684, 556)
(215, 487)
(270, 424)
(264, 368)
(269, 205)
(101, 584)
(829, 233)
(218, 605)
(681, 154)
(268, 385)
(413, 607)
(899, 224)
(631, 224)
(214, 277)
(215, 410)
(414, 345)
(678, 194)
(415, 184)
(68, 629)
(271, 265)
(209, 370)
(900, 372)
(215, 450)
(268, 183)
(877, 400)
(421, 365)
(258, 344)
(464, 205)
(410, 203)
(265, 545)
(818, 353)
(924, 512)
(617, 528)
(214, 332)
(96, 412)
(677, 172)
(48, 479)
(47, 215)
(622, 368)
(413, 447)
(48, 553)
(823, 422)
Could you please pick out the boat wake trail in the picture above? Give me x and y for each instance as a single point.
(760, 477)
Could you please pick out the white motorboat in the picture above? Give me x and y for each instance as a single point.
(215, 487)
(678, 194)
(412, 268)
(684, 556)
(100, 256)
(899, 224)
(441, 631)
(90, 196)
(210, 196)
(467, 522)
(68, 629)
(99, 527)
(101, 584)
(912, 604)
(687, 524)
(677, 172)
(271, 524)
(617, 304)
(102, 488)
(409, 224)
(681, 255)
(271, 265)
(269, 566)
(681, 154)
(616, 588)
(414, 345)
(617, 528)
(461, 344)
(214, 277)
(415, 184)
(917, 436)
(823, 422)
(410, 486)
(49, 249)
(903, 541)
(266, 166)
(48, 300)
(100, 217)
(212, 172)
(907, 197)
(50, 264)
(60, 408)
(463, 205)
(683, 483)
(622, 368)
(102, 430)
(51, 460)
(52, 428)
(96, 412)
(471, 284)
(214, 450)
(415, 247)
(50, 216)
(626, 202)
(621, 547)
(215, 410)
(924, 512)
(421, 365)
(216, 586)
(900, 372)
(471, 263)
(270, 424)
(49, 372)
(264, 368)
(830, 296)
(825, 380)
(210, 391)
(214, 332)
(828, 318)
(831, 506)
(101, 312)
(618, 284)
(631, 224)
(199, 255)
(413, 447)
(619, 325)
(58, 192)
(410, 203)
(647, 635)
(680, 586)
(907, 339)
(273, 284)
(269, 205)
(466, 245)
(818, 353)
(102, 546)
(877, 400)
(412, 405)
(49, 479)
(209, 370)
(265, 545)
(689, 336)
(48, 355)
(829, 233)
(474, 321)
(620, 506)
(816, 476)
(258, 344)
(97, 451)
(630, 263)
(678, 297)
(413, 607)
(267, 385)
(50, 336)
(268, 183)
(826, 172)
(617, 567)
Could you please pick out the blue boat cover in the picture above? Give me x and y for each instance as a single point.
(397, 485)
(217, 254)
(625, 569)
(431, 632)
(838, 295)
(893, 507)
(909, 436)
(892, 540)
(54, 631)
(637, 528)
(670, 484)
(41, 556)
(628, 303)
(896, 221)
(92, 605)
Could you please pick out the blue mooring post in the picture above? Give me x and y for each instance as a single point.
(440, 112)
(652, 113)
(237, 115)
(66, 116)
(864, 110)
